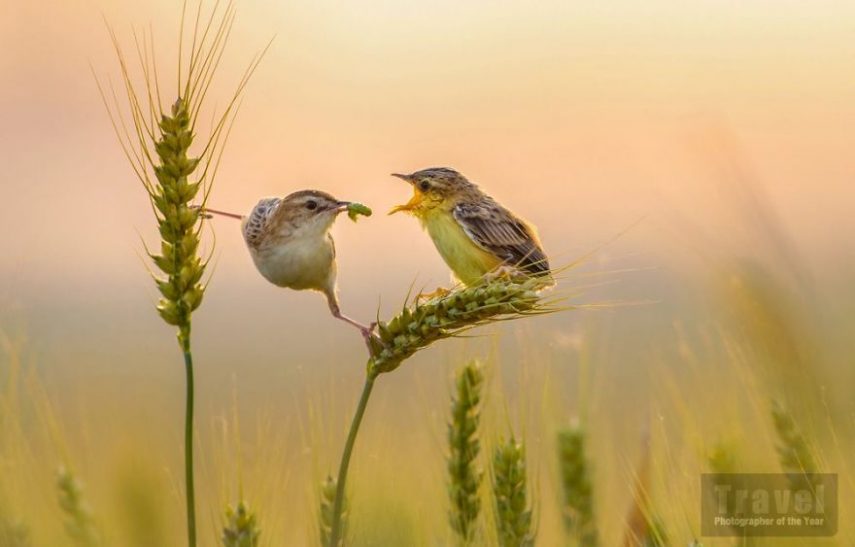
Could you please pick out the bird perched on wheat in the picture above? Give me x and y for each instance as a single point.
(475, 235)
(290, 243)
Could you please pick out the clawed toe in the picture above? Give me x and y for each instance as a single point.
(438, 293)
(504, 272)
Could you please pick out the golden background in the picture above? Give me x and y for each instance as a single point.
(674, 146)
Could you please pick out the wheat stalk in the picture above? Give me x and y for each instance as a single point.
(157, 144)
(513, 514)
(418, 325)
(241, 528)
(644, 528)
(464, 446)
(79, 523)
(578, 503)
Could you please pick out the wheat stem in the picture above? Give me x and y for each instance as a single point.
(422, 323)
(190, 494)
(328, 496)
(158, 151)
(338, 504)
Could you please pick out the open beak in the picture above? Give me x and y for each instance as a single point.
(341, 206)
(414, 202)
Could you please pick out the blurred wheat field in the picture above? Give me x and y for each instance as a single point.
(700, 387)
(693, 158)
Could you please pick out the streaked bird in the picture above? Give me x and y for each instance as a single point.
(290, 243)
(474, 234)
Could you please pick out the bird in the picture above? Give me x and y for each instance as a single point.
(475, 235)
(291, 246)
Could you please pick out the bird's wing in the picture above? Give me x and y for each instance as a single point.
(256, 224)
(498, 231)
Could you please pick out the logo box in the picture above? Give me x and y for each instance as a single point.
(769, 504)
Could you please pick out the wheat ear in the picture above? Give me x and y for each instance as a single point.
(79, 522)
(328, 495)
(419, 324)
(157, 144)
(794, 451)
(513, 514)
(464, 475)
(241, 528)
(576, 478)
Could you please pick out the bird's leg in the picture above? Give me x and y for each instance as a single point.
(367, 331)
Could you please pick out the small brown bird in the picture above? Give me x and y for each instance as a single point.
(473, 233)
(290, 244)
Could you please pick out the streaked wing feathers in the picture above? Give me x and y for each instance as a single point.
(255, 226)
(498, 231)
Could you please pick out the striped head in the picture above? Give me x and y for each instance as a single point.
(303, 213)
(436, 187)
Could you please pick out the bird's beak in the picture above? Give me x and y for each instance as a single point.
(414, 202)
(341, 206)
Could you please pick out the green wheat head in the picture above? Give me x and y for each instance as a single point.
(178, 223)
(328, 492)
(241, 528)
(418, 325)
(157, 142)
(794, 451)
(464, 475)
(722, 458)
(576, 478)
(14, 533)
(513, 514)
(79, 523)
(422, 323)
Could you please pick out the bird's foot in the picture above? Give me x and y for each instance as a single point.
(368, 332)
(372, 341)
(439, 292)
(504, 272)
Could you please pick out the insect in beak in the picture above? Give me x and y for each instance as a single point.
(414, 202)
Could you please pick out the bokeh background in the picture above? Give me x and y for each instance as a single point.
(695, 160)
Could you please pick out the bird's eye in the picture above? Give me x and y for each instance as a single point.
(424, 185)
(311, 205)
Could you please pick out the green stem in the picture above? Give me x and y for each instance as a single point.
(338, 505)
(188, 441)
